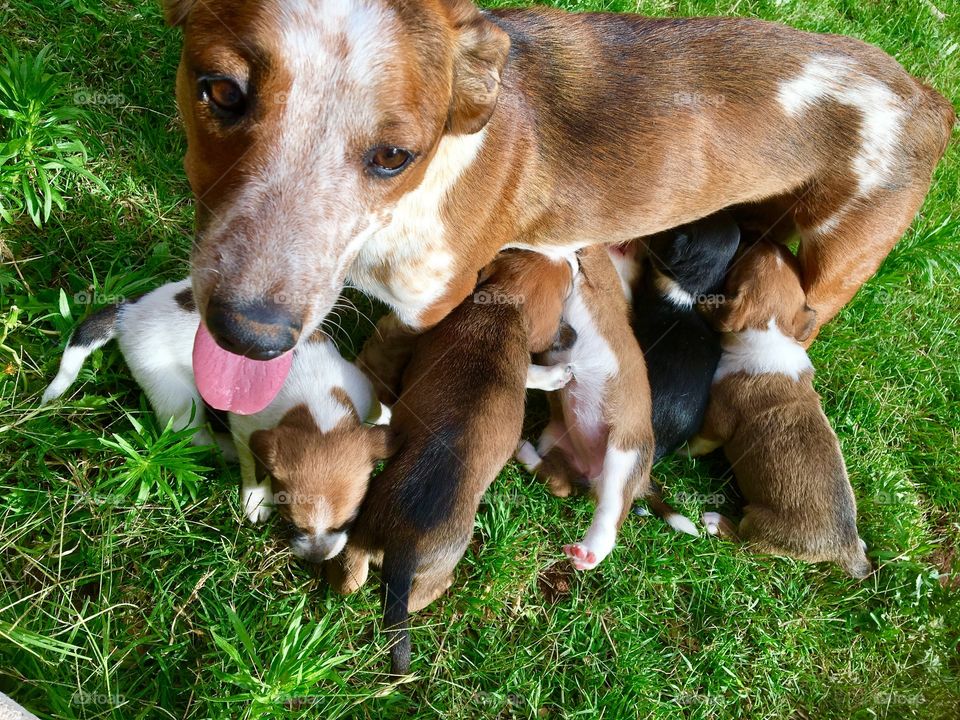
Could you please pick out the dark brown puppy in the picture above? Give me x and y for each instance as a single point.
(765, 413)
(459, 417)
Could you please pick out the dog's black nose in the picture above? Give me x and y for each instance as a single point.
(259, 330)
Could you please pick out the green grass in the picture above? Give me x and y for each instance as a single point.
(129, 587)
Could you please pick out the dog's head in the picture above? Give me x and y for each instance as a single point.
(319, 478)
(763, 284)
(307, 122)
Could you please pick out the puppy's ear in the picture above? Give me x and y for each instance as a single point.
(384, 442)
(804, 323)
(263, 446)
(479, 57)
(175, 11)
(728, 316)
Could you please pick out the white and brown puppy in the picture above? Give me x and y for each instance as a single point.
(310, 436)
(459, 417)
(602, 436)
(765, 413)
(401, 145)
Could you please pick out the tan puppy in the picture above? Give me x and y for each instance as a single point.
(602, 437)
(765, 413)
(459, 416)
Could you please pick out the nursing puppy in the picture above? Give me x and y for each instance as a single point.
(602, 436)
(310, 436)
(765, 413)
(459, 417)
(684, 268)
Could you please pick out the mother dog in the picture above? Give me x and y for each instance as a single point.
(400, 144)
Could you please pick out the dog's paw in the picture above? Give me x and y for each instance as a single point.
(580, 556)
(560, 487)
(256, 508)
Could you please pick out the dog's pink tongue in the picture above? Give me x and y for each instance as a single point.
(233, 382)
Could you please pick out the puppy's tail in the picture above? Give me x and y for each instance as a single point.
(93, 333)
(397, 576)
(680, 523)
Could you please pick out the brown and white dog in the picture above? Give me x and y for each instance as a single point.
(602, 437)
(400, 145)
(459, 417)
(765, 413)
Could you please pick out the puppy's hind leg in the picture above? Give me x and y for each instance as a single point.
(624, 472)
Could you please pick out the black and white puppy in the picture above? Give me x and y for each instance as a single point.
(684, 267)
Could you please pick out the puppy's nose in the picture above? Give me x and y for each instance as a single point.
(257, 329)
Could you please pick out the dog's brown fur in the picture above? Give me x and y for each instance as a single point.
(459, 416)
(599, 128)
(784, 454)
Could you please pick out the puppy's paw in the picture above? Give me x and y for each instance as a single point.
(719, 526)
(580, 556)
(560, 487)
(711, 522)
(528, 456)
(698, 446)
(255, 505)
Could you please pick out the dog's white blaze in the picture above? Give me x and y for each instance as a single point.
(618, 466)
(413, 239)
(762, 352)
(828, 77)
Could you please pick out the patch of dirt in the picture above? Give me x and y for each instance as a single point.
(554, 582)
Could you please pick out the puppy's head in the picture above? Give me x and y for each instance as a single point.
(764, 283)
(319, 478)
(537, 283)
(695, 257)
(307, 123)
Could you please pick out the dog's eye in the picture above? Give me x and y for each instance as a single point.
(386, 161)
(224, 96)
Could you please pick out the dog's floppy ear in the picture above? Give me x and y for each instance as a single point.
(176, 11)
(480, 54)
(263, 446)
(384, 442)
(727, 316)
(804, 323)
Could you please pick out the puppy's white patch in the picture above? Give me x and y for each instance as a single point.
(837, 79)
(672, 292)
(762, 352)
